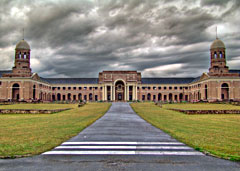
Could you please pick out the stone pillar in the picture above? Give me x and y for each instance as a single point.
(111, 93)
(105, 92)
(219, 91)
(114, 93)
(134, 92)
(102, 92)
(125, 93)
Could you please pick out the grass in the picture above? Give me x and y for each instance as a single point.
(36, 106)
(218, 135)
(202, 106)
(30, 134)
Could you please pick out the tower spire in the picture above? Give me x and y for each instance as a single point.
(216, 33)
(23, 33)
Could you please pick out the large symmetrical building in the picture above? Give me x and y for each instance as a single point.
(219, 84)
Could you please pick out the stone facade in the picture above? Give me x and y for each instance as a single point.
(219, 84)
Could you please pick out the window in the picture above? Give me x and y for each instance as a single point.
(143, 97)
(175, 88)
(154, 88)
(159, 88)
(143, 88)
(74, 88)
(165, 88)
(64, 88)
(25, 55)
(69, 88)
(90, 88)
(170, 88)
(58, 88)
(19, 55)
(180, 88)
(80, 88)
(85, 88)
(96, 89)
(149, 88)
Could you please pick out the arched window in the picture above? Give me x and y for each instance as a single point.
(221, 55)
(215, 55)
(19, 55)
(25, 55)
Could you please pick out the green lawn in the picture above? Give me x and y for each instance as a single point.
(201, 106)
(37, 106)
(215, 134)
(30, 134)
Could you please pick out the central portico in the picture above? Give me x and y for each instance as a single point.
(119, 85)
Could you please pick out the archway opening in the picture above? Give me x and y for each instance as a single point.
(119, 90)
(15, 92)
(225, 91)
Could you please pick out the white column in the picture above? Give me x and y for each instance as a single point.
(125, 93)
(103, 92)
(133, 92)
(111, 93)
(136, 93)
(114, 92)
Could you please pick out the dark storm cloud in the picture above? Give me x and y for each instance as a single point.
(82, 38)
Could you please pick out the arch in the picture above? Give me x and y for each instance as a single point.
(96, 97)
(206, 92)
(15, 92)
(181, 97)
(58, 96)
(25, 55)
(215, 55)
(119, 90)
(69, 96)
(159, 97)
(34, 91)
(19, 55)
(79, 96)
(53, 97)
(225, 91)
(90, 97)
(149, 96)
(220, 54)
(199, 96)
(170, 97)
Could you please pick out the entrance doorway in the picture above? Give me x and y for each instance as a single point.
(119, 90)
(15, 92)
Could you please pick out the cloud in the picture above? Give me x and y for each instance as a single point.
(81, 38)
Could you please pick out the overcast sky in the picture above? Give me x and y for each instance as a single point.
(80, 38)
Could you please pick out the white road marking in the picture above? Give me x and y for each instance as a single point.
(122, 143)
(121, 153)
(125, 147)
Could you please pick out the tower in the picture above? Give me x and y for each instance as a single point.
(22, 60)
(218, 58)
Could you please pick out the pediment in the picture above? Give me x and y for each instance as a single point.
(36, 77)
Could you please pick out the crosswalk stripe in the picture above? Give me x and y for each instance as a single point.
(122, 143)
(123, 147)
(120, 153)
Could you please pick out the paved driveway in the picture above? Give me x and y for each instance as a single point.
(120, 140)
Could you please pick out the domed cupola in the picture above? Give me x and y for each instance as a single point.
(22, 45)
(218, 58)
(22, 59)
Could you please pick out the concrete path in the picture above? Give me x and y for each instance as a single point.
(121, 140)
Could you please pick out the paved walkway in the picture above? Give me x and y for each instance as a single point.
(122, 131)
